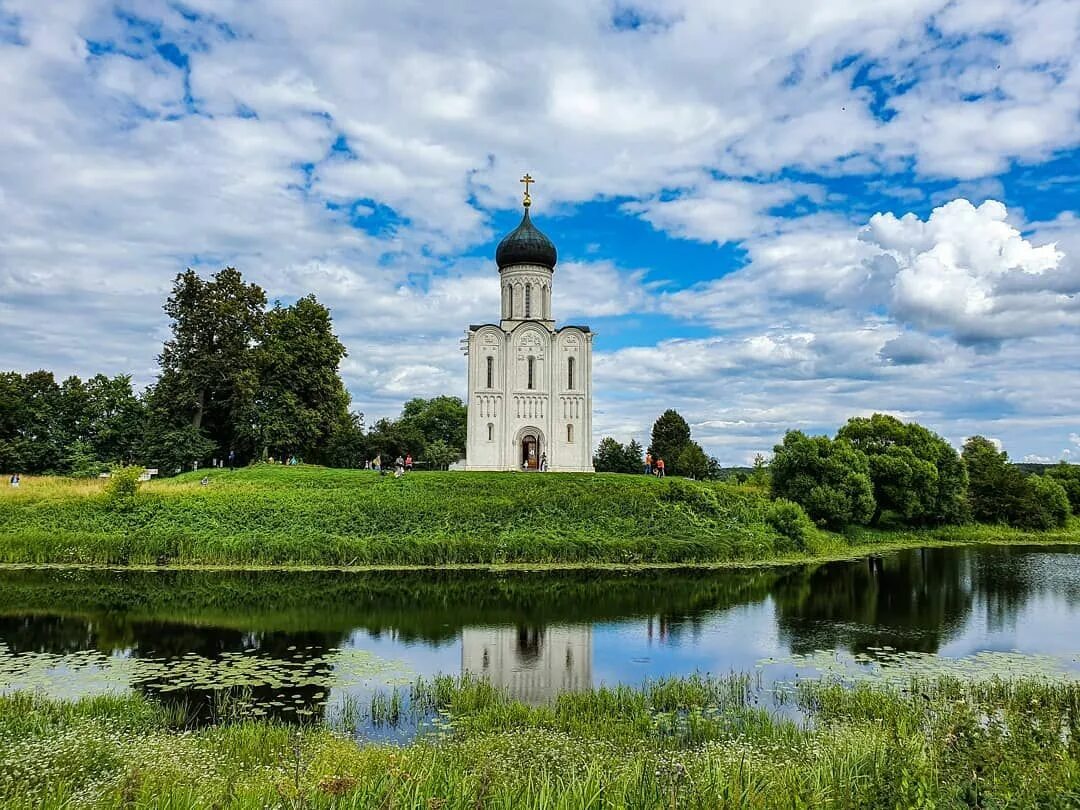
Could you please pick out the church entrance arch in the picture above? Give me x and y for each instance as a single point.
(531, 448)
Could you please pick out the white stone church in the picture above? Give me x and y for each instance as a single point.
(530, 384)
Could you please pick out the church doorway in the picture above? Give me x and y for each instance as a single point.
(530, 452)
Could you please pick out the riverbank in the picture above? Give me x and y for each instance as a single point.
(309, 517)
(694, 742)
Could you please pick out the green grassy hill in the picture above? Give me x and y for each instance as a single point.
(312, 516)
(270, 515)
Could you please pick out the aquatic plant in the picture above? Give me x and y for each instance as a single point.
(932, 742)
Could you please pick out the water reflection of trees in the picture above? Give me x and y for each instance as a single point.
(430, 606)
(913, 600)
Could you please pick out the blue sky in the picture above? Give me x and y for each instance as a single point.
(775, 215)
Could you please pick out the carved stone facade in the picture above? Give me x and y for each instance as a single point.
(530, 383)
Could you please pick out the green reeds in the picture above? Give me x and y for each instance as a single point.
(933, 742)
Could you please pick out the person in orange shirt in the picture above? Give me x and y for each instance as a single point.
(648, 463)
(659, 468)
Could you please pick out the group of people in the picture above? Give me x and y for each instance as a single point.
(401, 465)
(15, 480)
(654, 468)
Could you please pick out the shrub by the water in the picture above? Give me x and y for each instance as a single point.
(791, 522)
(917, 475)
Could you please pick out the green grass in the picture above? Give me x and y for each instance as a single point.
(688, 743)
(309, 516)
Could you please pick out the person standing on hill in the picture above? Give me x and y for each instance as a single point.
(408, 462)
(232, 460)
(15, 480)
(659, 468)
(399, 467)
(648, 464)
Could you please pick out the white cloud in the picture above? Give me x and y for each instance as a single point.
(119, 168)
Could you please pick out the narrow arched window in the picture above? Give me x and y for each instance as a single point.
(510, 301)
(570, 372)
(528, 300)
(491, 432)
(532, 372)
(570, 433)
(490, 372)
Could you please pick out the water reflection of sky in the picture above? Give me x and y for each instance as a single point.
(539, 634)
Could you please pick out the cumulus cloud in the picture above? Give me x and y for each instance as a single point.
(968, 272)
(359, 151)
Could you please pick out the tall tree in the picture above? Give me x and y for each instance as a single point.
(209, 375)
(670, 434)
(300, 399)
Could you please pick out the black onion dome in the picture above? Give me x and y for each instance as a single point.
(526, 245)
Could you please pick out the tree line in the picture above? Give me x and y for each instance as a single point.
(670, 440)
(875, 469)
(879, 467)
(237, 378)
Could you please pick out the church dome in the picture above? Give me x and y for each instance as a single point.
(526, 245)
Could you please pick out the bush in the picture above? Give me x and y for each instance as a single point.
(829, 478)
(1045, 504)
(123, 485)
(791, 522)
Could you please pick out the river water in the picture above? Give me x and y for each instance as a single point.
(314, 644)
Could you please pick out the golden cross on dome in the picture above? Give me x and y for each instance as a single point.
(526, 180)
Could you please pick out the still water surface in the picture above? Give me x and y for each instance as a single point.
(308, 643)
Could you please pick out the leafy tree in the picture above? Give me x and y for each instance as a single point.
(170, 447)
(390, 439)
(916, 474)
(346, 445)
(991, 480)
(759, 477)
(209, 368)
(440, 455)
(1000, 493)
(1068, 475)
(1047, 504)
(300, 398)
(609, 457)
(116, 418)
(692, 461)
(829, 478)
(439, 419)
(670, 434)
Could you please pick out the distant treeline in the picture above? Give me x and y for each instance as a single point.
(235, 378)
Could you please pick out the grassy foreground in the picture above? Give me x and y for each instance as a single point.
(688, 743)
(310, 516)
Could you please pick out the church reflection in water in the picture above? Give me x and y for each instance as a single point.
(534, 664)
